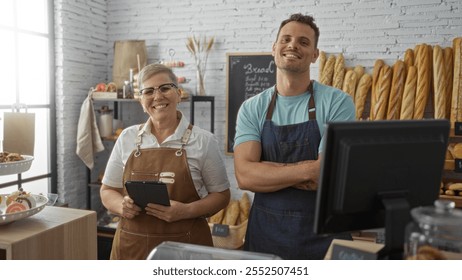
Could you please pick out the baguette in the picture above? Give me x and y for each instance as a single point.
(457, 150)
(363, 88)
(456, 105)
(408, 101)
(359, 70)
(349, 83)
(396, 90)
(244, 207)
(455, 187)
(409, 58)
(439, 83)
(328, 71)
(383, 92)
(231, 213)
(449, 69)
(375, 76)
(217, 217)
(416, 55)
(339, 72)
(322, 62)
(423, 83)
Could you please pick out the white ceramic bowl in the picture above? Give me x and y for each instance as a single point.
(40, 200)
(16, 167)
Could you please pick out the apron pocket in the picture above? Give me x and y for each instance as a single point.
(144, 176)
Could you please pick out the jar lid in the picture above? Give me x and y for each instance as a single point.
(442, 213)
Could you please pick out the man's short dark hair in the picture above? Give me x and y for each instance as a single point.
(305, 19)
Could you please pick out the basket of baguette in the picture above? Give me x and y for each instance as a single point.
(229, 225)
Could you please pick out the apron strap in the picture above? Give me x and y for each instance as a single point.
(139, 140)
(184, 140)
(311, 105)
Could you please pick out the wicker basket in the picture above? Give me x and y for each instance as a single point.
(234, 240)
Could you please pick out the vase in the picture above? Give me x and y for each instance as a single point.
(200, 88)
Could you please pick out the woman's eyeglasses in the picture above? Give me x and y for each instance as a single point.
(164, 89)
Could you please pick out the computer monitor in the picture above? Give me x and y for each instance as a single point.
(374, 172)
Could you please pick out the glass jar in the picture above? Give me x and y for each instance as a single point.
(435, 233)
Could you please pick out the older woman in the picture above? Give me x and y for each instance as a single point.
(166, 144)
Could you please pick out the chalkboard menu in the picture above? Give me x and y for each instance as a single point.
(247, 75)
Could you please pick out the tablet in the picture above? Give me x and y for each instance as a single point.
(144, 192)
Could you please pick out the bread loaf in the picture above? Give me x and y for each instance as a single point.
(349, 83)
(423, 83)
(375, 76)
(363, 88)
(439, 83)
(217, 218)
(231, 213)
(457, 150)
(456, 105)
(383, 92)
(408, 101)
(416, 55)
(396, 90)
(244, 207)
(455, 187)
(328, 71)
(409, 58)
(339, 72)
(322, 62)
(359, 70)
(449, 69)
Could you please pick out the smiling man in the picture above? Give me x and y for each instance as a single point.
(277, 145)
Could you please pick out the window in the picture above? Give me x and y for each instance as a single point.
(26, 55)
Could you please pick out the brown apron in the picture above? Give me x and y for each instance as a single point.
(135, 238)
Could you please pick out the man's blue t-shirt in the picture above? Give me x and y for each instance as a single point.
(331, 104)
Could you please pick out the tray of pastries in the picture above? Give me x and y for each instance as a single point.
(14, 163)
(19, 205)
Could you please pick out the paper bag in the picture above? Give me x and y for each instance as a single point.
(19, 133)
(125, 57)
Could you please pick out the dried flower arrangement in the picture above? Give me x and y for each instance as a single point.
(200, 48)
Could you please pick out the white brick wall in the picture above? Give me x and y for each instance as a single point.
(364, 30)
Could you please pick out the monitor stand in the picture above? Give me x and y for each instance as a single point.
(397, 216)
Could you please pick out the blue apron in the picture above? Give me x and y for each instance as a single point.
(281, 222)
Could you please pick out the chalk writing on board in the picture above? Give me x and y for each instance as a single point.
(248, 75)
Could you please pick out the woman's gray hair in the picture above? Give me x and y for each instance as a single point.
(152, 69)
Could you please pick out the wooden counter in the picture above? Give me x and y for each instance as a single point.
(56, 233)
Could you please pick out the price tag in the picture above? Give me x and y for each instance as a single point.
(340, 252)
(458, 165)
(458, 128)
(220, 230)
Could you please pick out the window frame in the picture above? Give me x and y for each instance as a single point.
(51, 106)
